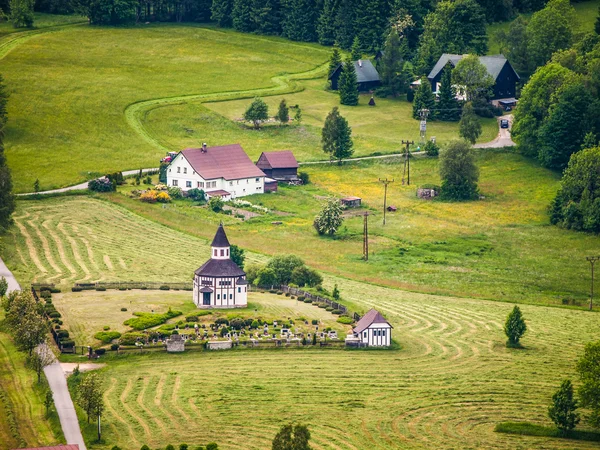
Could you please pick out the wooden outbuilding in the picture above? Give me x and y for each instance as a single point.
(367, 77)
(280, 165)
(351, 202)
(373, 330)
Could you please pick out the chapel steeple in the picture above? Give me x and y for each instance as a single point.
(220, 244)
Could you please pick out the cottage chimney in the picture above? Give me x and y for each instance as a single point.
(360, 63)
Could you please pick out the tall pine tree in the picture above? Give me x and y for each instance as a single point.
(300, 20)
(391, 65)
(326, 25)
(372, 19)
(347, 84)
(356, 50)
(266, 16)
(335, 60)
(241, 16)
(221, 12)
(423, 99)
(344, 24)
(448, 108)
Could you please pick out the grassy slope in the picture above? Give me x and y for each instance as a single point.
(586, 12)
(501, 247)
(41, 21)
(21, 402)
(447, 387)
(67, 108)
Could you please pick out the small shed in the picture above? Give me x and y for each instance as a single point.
(367, 77)
(279, 165)
(351, 202)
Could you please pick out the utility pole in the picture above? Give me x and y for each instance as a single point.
(385, 184)
(366, 237)
(407, 159)
(423, 113)
(592, 260)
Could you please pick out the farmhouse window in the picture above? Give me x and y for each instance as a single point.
(231, 183)
(230, 296)
(218, 296)
(179, 170)
(257, 180)
(215, 252)
(185, 170)
(383, 333)
(174, 182)
(239, 290)
(206, 282)
(222, 252)
(188, 184)
(365, 334)
(227, 252)
(200, 184)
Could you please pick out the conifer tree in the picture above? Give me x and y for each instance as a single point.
(266, 16)
(300, 20)
(597, 25)
(347, 84)
(515, 327)
(326, 25)
(221, 12)
(344, 24)
(336, 136)
(334, 60)
(469, 126)
(241, 16)
(392, 76)
(423, 99)
(563, 409)
(372, 20)
(356, 50)
(283, 113)
(448, 108)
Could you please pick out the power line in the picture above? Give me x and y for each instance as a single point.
(385, 184)
(592, 260)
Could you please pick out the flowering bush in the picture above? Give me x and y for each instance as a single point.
(149, 196)
(161, 187)
(163, 197)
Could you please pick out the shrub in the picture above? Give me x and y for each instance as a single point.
(106, 328)
(216, 204)
(345, 320)
(100, 351)
(107, 336)
(212, 446)
(131, 338)
(100, 288)
(149, 196)
(163, 197)
(192, 319)
(307, 300)
(287, 294)
(54, 314)
(76, 289)
(145, 447)
(67, 343)
(196, 194)
(62, 334)
(164, 288)
(55, 290)
(279, 292)
(183, 447)
(336, 312)
(147, 320)
(431, 149)
(123, 309)
(322, 305)
(304, 177)
(329, 308)
(315, 322)
(101, 185)
(301, 298)
(114, 347)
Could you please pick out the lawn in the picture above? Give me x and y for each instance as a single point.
(379, 129)
(447, 387)
(86, 313)
(67, 120)
(41, 21)
(22, 413)
(501, 247)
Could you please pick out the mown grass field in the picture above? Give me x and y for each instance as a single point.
(447, 387)
(501, 247)
(41, 20)
(86, 313)
(22, 413)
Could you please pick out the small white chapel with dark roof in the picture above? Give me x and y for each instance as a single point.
(220, 282)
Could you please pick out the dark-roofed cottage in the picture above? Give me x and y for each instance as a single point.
(219, 282)
(367, 76)
(498, 67)
(224, 171)
(281, 166)
(373, 330)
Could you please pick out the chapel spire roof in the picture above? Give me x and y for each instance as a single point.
(220, 239)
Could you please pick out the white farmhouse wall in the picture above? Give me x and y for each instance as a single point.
(377, 335)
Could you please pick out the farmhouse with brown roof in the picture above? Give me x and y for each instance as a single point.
(225, 171)
(281, 165)
(219, 282)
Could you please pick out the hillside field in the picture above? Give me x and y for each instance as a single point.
(446, 387)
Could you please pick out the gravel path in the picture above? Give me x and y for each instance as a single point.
(503, 139)
(13, 284)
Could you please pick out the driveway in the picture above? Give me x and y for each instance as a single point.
(13, 284)
(503, 139)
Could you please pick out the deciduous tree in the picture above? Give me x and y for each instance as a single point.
(257, 112)
(472, 78)
(89, 395)
(283, 266)
(3, 286)
(292, 437)
(589, 375)
(237, 255)
(336, 136)
(564, 406)
(329, 218)
(39, 359)
(458, 172)
(469, 126)
(21, 13)
(515, 327)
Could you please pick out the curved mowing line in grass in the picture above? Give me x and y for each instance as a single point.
(136, 112)
(13, 40)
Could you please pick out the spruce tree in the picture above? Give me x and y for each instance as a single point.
(336, 136)
(515, 327)
(597, 25)
(347, 84)
(372, 21)
(469, 126)
(326, 25)
(564, 406)
(356, 50)
(423, 99)
(283, 113)
(335, 60)
(392, 77)
(3, 106)
(241, 16)
(266, 16)
(221, 12)
(448, 108)
(344, 24)
(300, 20)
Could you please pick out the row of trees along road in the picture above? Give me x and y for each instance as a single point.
(7, 199)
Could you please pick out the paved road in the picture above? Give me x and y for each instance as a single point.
(13, 284)
(503, 139)
(63, 404)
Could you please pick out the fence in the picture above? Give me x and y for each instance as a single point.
(61, 347)
(319, 299)
(123, 285)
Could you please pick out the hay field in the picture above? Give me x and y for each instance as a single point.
(447, 387)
